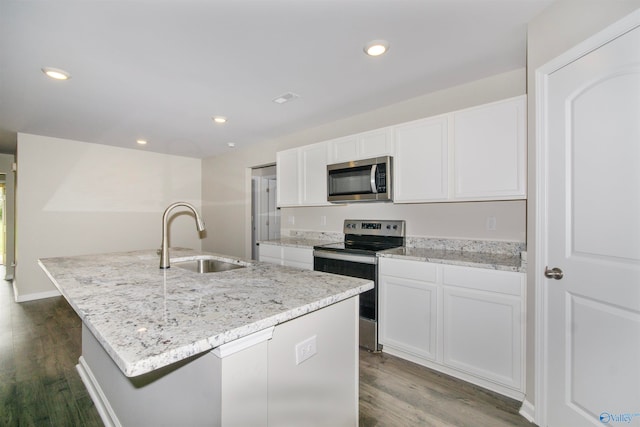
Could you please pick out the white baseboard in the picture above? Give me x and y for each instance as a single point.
(99, 399)
(528, 411)
(33, 296)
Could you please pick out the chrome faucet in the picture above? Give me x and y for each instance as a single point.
(164, 252)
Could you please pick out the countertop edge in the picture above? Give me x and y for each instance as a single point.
(445, 261)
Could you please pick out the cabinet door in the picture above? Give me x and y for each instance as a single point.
(421, 161)
(483, 323)
(313, 174)
(343, 149)
(287, 177)
(489, 153)
(364, 145)
(376, 143)
(408, 300)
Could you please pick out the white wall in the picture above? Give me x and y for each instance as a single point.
(227, 178)
(79, 198)
(6, 168)
(560, 27)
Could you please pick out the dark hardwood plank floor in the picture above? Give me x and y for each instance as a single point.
(39, 348)
(39, 385)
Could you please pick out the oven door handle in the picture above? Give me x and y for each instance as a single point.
(340, 256)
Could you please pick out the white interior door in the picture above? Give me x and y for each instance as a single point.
(592, 116)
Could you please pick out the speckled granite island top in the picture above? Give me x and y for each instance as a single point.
(147, 318)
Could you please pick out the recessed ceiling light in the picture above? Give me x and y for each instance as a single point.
(56, 73)
(376, 47)
(141, 141)
(220, 119)
(231, 144)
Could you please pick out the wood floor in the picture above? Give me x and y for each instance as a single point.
(39, 386)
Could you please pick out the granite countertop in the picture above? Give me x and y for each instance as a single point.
(147, 318)
(488, 260)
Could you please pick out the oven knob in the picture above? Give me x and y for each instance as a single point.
(388, 226)
(395, 227)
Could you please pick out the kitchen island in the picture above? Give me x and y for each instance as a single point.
(259, 345)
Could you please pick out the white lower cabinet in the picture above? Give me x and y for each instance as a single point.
(466, 322)
(291, 256)
(270, 253)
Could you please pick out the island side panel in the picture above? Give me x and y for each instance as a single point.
(322, 390)
(188, 391)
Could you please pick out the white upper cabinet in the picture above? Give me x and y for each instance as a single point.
(302, 176)
(421, 161)
(489, 151)
(313, 170)
(474, 154)
(364, 145)
(287, 177)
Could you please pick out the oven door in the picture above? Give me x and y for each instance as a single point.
(364, 267)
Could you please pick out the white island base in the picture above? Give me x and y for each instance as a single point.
(253, 381)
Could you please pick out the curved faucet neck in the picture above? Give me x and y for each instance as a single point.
(164, 251)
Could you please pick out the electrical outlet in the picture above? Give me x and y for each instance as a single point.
(491, 223)
(291, 220)
(323, 220)
(305, 349)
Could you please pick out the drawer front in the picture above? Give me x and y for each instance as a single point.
(270, 251)
(503, 282)
(297, 255)
(415, 270)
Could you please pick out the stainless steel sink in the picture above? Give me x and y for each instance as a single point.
(207, 265)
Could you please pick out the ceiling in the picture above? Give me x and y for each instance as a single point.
(160, 70)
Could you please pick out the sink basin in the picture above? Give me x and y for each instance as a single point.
(207, 265)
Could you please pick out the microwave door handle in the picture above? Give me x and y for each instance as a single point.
(374, 187)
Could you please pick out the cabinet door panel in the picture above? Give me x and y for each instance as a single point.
(343, 149)
(489, 153)
(408, 316)
(482, 335)
(287, 178)
(375, 144)
(313, 159)
(421, 161)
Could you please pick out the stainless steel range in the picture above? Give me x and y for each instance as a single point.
(356, 257)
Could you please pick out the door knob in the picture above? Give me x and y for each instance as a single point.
(554, 273)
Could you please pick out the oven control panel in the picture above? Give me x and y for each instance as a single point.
(394, 228)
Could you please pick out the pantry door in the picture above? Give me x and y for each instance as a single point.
(590, 176)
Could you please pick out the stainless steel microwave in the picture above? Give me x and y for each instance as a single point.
(367, 180)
